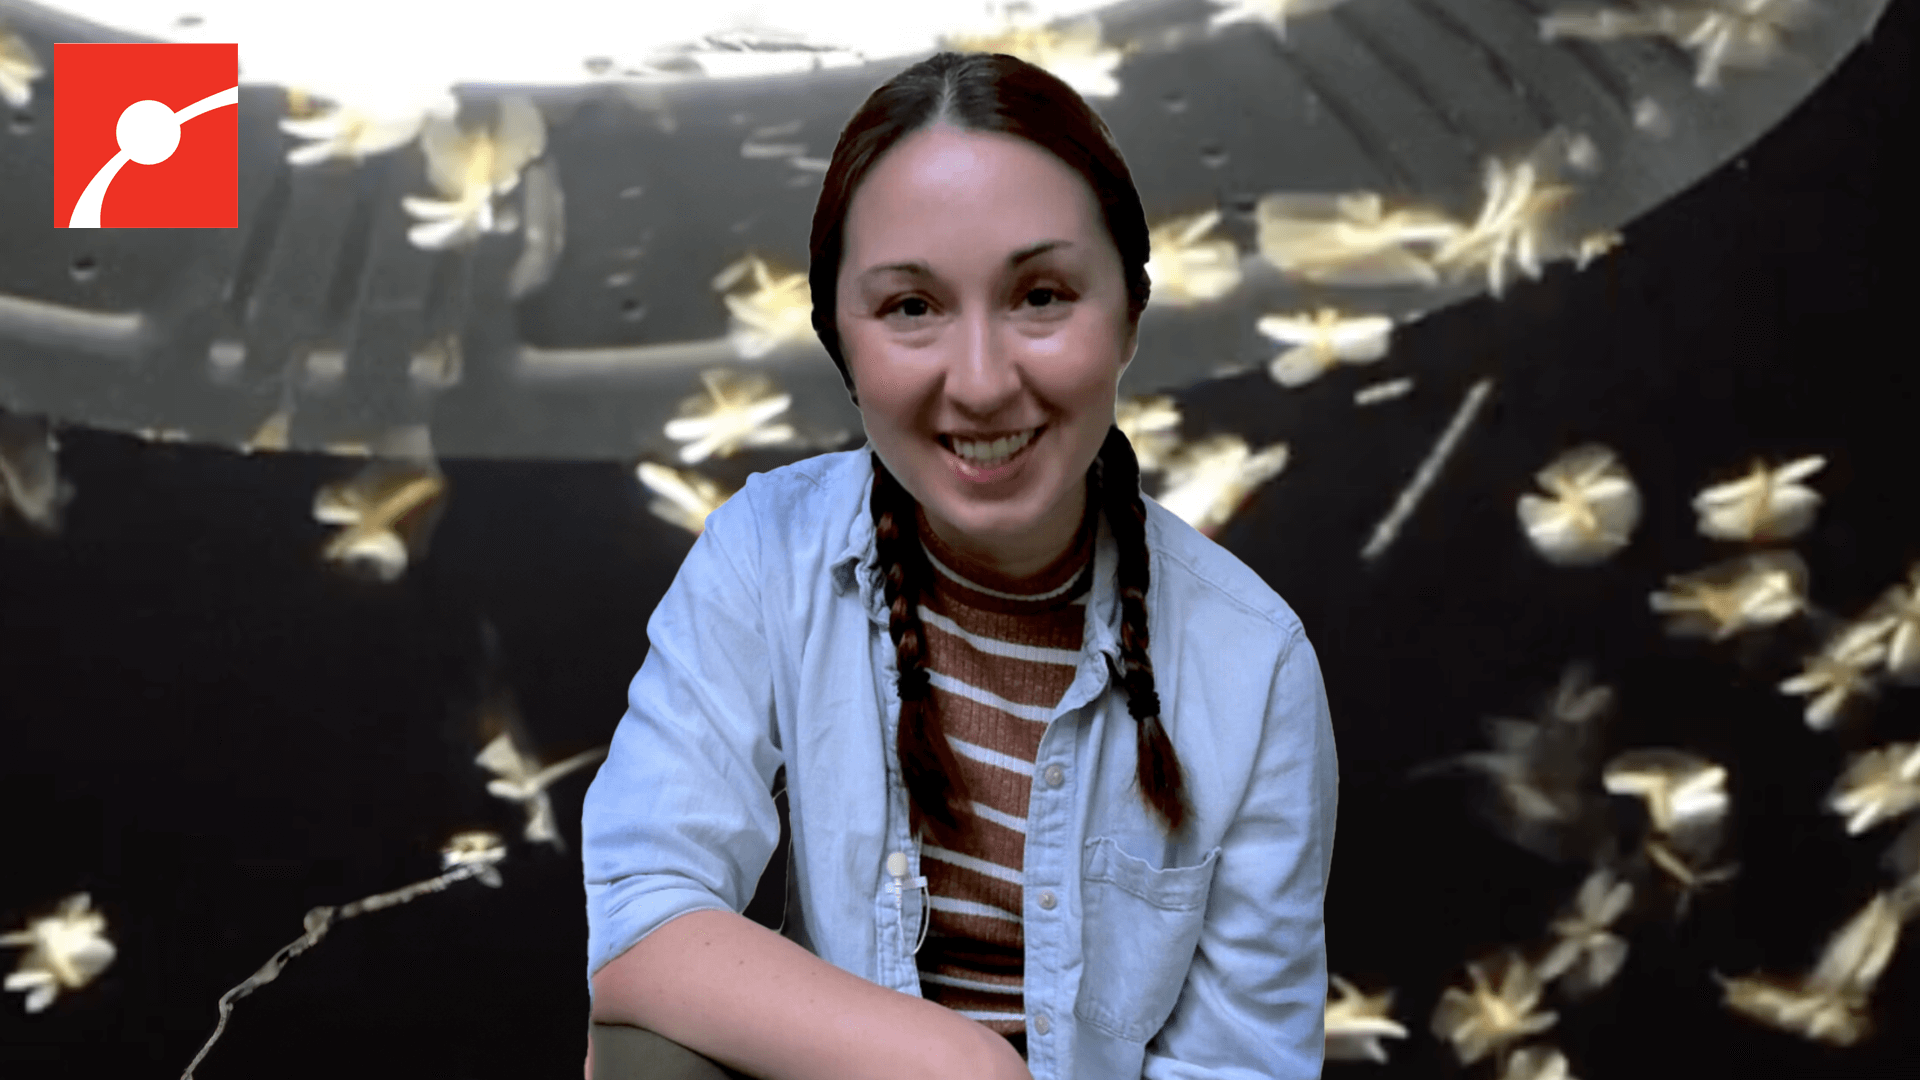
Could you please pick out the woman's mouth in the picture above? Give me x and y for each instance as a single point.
(983, 462)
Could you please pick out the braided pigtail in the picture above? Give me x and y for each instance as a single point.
(1117, 474)
(936, 791)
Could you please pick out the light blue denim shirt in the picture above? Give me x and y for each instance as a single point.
(1202, 958)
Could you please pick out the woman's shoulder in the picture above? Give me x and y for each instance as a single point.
(799, 490)
(801, 508)
(1209, 582)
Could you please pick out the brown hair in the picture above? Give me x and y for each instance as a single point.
(998, 93)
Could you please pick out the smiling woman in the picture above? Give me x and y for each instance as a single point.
(991, 344)
(1090, 910)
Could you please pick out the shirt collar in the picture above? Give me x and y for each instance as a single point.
(857, 567)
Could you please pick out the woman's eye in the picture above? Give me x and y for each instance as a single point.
(1051, 297)
(898, 306)
(915, 307)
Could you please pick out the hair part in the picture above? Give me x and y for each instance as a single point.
(994, 92)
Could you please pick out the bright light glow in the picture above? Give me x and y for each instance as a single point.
(416, 47)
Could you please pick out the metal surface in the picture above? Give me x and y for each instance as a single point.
(319, 302)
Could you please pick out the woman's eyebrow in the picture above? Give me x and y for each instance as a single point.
(916, 268)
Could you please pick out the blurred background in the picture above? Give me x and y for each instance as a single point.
(304, 583)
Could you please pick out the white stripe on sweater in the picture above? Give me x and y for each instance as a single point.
(990, 757)
(977, 587)
(1000, 817)
(1037, 713)
(969, 862)
(995, 646)
(973, 984)
(968, 907)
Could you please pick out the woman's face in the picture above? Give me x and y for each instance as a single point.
(980, 295)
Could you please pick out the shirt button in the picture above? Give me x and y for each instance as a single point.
(1046, 900)
(1056, 776)
(1040, 1023)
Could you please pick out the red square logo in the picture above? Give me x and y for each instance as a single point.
(146, 136)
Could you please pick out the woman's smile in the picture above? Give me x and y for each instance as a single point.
(975, 466)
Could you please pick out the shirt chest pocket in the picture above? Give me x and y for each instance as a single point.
(1140, 929)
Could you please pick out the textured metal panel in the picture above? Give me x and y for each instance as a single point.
(319, 301)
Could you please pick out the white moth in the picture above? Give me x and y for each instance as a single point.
(1356, 1022)
(1349, 239)
(1841, 671)
(735, 412)
(776, 312)
(1536, 1063)
(359, 130)
(471, 169)
(1511, 229)
(1591, 514)
(65, 951)
(1152, 425)
(1586, 952)
(685, 497)
(1544, 771)
(1684, 793)
(1900, 607)
(1721, 33)
(1829, 1004)
(18, 69)
(1878, 786)
(386, 512)
(1764, 505)
(1207, 481)
(1686, 868)
(520, 779)
(1495, 1012)
(1902, 858)
(1185, 267)
(1322, 339)
(476, 847)
(1745, 593)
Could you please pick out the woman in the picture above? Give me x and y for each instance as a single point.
(1011, 856)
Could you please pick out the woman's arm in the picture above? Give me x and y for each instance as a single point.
(734, 991)
(677, 828)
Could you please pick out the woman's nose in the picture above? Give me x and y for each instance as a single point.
(984, 370)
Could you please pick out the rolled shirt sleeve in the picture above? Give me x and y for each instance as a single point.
(1254, 1003)
(680, 817)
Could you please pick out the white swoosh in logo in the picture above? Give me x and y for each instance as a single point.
(86, 212)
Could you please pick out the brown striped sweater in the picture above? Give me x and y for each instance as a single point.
(1001, 653)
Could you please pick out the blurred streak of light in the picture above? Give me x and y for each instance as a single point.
(466, 855)
(1389, 527)
(1383, 391)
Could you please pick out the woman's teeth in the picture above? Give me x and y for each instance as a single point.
(991, 453)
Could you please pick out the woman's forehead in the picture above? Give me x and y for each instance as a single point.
(982, 190)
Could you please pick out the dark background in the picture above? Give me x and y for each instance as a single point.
(212, 732)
